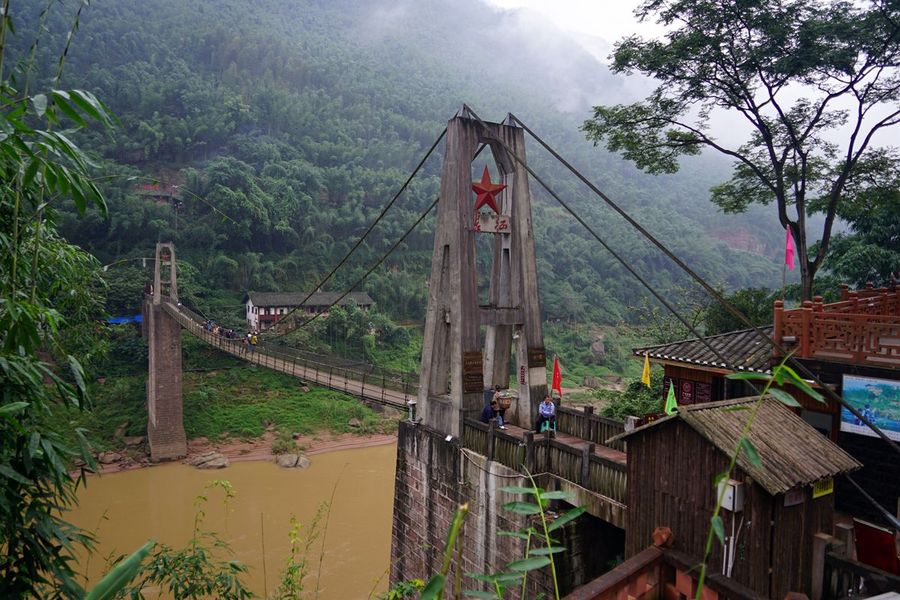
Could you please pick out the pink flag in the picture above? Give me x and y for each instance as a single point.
(789, 250)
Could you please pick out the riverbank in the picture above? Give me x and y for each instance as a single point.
(256, 449)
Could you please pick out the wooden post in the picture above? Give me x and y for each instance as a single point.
(586, 453)
(490, 439)
(844, 532)
(821, 541)
(806, 329)
(589, 425)
(529, 451)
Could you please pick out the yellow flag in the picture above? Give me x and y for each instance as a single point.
(645, 376)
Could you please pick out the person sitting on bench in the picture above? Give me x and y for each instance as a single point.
(546, 414)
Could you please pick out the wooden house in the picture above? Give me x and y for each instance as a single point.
(775, 507)
(855, 340)
(264, 309)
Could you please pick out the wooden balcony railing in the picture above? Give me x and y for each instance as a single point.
(589, 427)
(541, 453)
(846, 578)
(863, 328)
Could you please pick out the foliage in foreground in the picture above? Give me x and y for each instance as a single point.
(540, 548)
(46, 314)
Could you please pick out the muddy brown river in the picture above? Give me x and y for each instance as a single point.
(159, 503)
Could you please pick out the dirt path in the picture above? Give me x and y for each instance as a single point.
(261, 448)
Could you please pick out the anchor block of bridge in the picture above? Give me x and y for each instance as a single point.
(165, 423)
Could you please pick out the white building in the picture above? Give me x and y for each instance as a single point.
(263, 309)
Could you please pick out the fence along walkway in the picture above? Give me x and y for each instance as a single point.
(385, 387)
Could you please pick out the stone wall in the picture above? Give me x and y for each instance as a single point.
(433, 478)
(165, 425)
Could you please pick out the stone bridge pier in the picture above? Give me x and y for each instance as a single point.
(165, 425)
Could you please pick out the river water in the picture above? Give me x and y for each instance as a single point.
(159, 503)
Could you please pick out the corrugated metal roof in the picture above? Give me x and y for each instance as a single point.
(742, 350)
(289, 299)
(791, 451)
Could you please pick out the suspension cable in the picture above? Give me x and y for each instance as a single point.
(371, 227)
(376, 265)
(367, 273)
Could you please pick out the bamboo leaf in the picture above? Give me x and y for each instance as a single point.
(511, 489)
(11, 473)
(750, 450)
(522, 508)
(718, 528)
(748, 375)
(66, 108)
(434, 589)
(784, 397)
(13, 408)
(558, 495)
(569, 515)
(547, 551)
(797, 381)
(40, 104)
(119, 577)
(529, 564)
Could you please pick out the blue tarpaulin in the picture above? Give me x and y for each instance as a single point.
(124, 320)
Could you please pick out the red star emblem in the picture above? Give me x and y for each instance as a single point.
(486, 192)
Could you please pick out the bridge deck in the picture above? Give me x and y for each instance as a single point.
(336, 378)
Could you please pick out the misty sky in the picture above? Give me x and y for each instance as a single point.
(596, 24)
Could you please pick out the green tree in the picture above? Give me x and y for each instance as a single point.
(46, 306)
(754, 303)
(752, 59)
(870, 252)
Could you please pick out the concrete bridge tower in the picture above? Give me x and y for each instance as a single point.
(165, 426)
(456, 368)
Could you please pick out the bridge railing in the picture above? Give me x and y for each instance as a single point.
(369, 383)
(588, 426)
(542, 453)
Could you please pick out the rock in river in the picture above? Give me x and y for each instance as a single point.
(208, 460)
(292, 461)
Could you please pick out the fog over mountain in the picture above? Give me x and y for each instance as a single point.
(299, 119)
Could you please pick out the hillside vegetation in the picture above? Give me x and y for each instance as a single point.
(288, 125)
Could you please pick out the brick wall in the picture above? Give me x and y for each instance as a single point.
(165, 425)
(433, 478)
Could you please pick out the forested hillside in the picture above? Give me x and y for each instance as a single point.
(288, 125)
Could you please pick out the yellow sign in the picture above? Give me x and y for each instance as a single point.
(823, 487)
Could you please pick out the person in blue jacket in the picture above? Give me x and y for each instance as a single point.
(546, 413)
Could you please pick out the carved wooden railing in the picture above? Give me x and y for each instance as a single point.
(649, 572)
(590, 427)
(542, 453)
(863, 328)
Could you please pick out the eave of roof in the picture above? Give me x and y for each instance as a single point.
(742, 350)
(792, 453)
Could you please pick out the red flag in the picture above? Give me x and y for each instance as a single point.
(557, 377)
(789, 250)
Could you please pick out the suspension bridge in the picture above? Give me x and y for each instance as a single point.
(446, 456)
